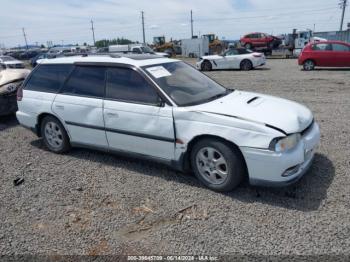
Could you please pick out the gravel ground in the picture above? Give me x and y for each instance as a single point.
(88, 202)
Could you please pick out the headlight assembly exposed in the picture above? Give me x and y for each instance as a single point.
(282, 144)
(9, 88)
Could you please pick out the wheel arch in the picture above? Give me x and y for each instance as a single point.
(207, 61)
(246, 59)
(309, 59)
(41, 117)
(186, 159)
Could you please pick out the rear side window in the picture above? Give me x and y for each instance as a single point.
(86, 81)
(340, 48)
(48, 78)
(128, 85)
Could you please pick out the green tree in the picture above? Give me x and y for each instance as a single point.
(108, 42)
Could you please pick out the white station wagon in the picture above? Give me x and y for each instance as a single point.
(166, 110)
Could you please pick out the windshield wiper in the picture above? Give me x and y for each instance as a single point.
(228, 91)
(212, 98)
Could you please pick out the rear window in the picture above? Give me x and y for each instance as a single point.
(48, 78)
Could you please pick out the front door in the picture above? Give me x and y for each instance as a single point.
(135, 120)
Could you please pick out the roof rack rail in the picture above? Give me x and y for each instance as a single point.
(113, 55)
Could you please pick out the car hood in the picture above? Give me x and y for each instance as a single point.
(12, 75)
(162, 54)
(283, 115)
(13, 62)
(211, 57)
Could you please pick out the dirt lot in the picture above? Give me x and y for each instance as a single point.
(88, 202)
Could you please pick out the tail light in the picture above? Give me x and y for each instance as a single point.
(257, 55)
(19, 94)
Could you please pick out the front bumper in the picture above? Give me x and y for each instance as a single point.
(8, 104)
(268, 168)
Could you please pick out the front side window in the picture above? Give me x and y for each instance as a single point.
(322, 47)
(127, 85)
(184, 84)
(340, 48)
(231, 52)
(136, 50)
(48, 78)
(86, 81)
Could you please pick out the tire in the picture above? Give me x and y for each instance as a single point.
(221, 176)
(248, 46)
(54, 135)
(309, 65)
(246, 65)
(206, 66)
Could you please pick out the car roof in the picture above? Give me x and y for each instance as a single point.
(137, 61)
(329, 42)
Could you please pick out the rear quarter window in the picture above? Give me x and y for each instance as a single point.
(48, 78)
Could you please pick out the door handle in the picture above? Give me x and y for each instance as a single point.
(112, 115)
(60, 107)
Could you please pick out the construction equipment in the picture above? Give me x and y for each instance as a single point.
(160, 45)
(215, 45)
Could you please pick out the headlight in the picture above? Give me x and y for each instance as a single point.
(9, 88)
(284, 143)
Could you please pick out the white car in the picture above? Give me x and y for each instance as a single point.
(11, 63)
(234, 58)
(166, 110)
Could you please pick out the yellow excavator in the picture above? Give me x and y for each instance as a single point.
(216, 47)
(160, 45)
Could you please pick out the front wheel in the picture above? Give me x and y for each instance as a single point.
(217, 165)
(206, 66)
(54, 135)
(309, 65)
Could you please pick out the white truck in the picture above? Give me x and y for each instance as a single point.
(293, 44)
(134, 48)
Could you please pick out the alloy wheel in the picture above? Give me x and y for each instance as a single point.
(212, 165)
(53, 135)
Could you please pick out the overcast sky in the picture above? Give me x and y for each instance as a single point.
(69, 20)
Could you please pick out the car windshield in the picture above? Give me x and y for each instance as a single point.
(6, 58)
(146, 49)
(184, 84)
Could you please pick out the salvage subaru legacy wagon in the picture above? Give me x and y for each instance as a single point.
(164, 109)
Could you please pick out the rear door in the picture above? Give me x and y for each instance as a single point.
(42, 86)
(79, 104)
(135, 120)
(341, 54)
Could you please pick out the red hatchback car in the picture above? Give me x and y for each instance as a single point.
(326, 54)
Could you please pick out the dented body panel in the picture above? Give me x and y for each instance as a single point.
(165, 131)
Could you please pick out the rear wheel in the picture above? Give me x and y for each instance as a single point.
(54, 135)
(309, 65)
(246, 65)
(217, 165)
